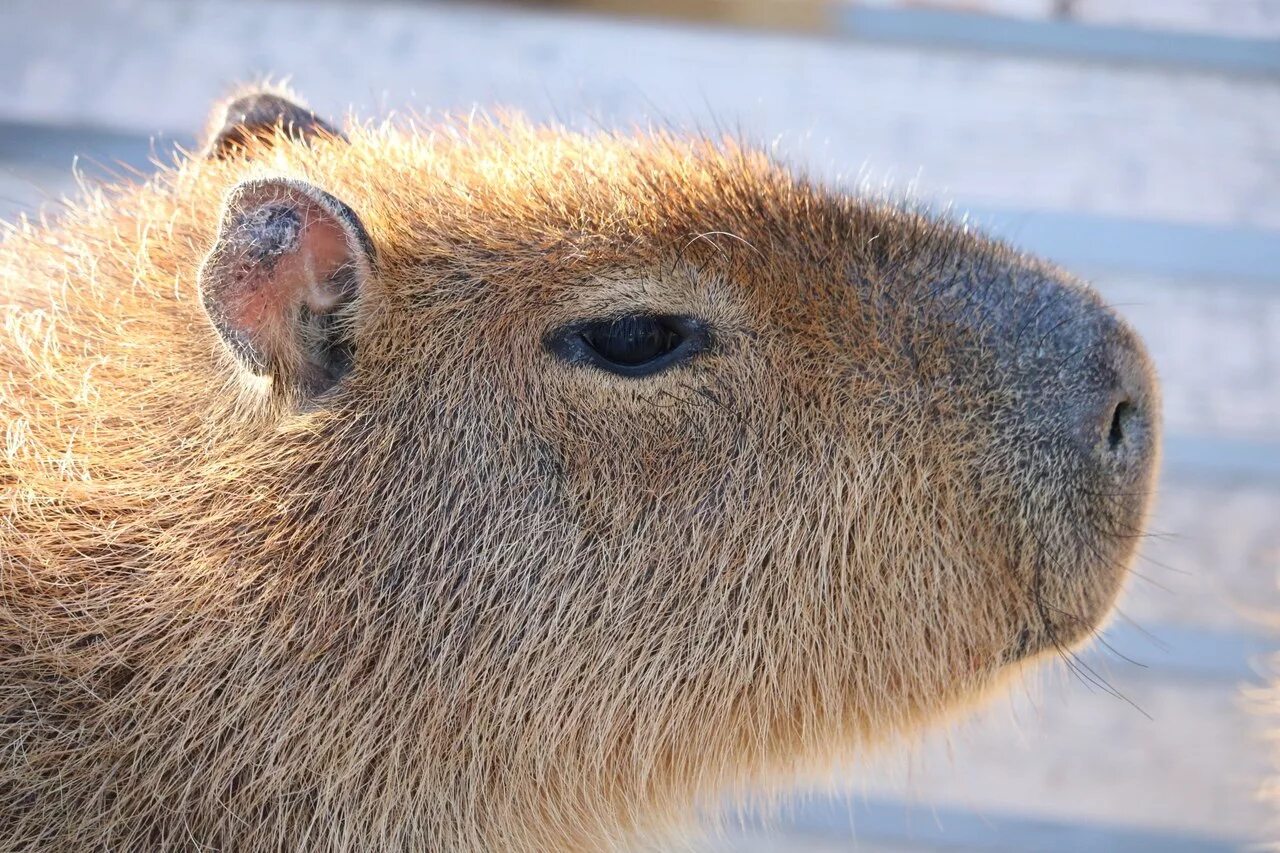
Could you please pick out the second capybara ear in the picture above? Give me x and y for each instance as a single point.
(289, 258)
(261, 116)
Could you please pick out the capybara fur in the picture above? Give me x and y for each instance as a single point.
(473, 485)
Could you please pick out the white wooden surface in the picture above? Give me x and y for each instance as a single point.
(1244, 18)
(1104, 144)
(1011, 132)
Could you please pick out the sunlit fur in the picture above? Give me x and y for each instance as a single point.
(476, 599)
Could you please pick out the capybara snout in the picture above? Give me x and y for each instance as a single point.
(1073, 367)
(1074, 410)
(1026, 402)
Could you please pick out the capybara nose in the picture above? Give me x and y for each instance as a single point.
(1120, 423)
(1082, 402)
(1114, 402)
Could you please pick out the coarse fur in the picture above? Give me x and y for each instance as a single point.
(475, 598)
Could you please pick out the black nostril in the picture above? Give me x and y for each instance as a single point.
(1119, 423)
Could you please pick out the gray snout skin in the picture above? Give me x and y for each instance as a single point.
(1083, 389)
(1075, 409)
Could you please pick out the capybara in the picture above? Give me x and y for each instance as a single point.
(475, 485)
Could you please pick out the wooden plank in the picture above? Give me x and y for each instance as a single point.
(1190, 761)
(1031, 10)
(1182, 651)
(1249, 19)
(995, 131)
(859, 825)
(1231, 460)
(1237, 19)
(1062, 37)
(1058, 768)
(802, 15)
(1169, 249)
(1216, 347)
(1239, 37)
(1211, 561)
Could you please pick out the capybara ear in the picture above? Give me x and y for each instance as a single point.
(289, 259)
(257, 117)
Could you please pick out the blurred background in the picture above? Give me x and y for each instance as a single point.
(1135, 141)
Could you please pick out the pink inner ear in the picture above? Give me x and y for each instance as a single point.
(292, 276)
(324, 251)
(280, 250)
(299, 273)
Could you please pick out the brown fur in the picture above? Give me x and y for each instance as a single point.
(482, 600)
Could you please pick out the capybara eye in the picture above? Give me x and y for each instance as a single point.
(634, 345)
(631, 341)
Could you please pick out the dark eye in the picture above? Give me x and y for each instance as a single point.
(635, 345)
(631, 341)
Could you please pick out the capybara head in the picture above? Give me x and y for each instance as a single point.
(482, 486)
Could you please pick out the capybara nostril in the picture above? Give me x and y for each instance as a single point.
(1121, 433)
(1120, 417)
